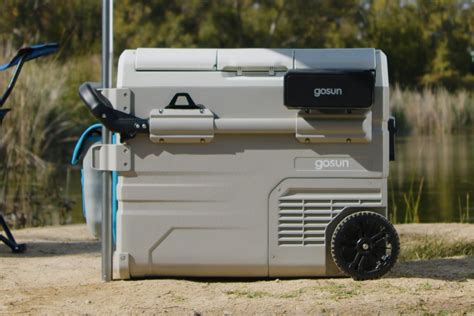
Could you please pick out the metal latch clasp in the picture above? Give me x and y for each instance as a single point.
(181, 126)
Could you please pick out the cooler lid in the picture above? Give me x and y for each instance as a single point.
(254, 59)
(178, 59)
(337, 58)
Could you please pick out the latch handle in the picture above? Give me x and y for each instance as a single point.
(190, 106)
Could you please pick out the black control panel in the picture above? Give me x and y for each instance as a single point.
(330, 89)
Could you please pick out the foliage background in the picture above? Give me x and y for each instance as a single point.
(428, 42)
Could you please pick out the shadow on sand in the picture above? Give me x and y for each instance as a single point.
(448, 269)
(53, 249)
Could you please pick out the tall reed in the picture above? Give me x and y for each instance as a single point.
(29, 138)
(394, 206)
(412, 200)
(464, 216)
(432, 111)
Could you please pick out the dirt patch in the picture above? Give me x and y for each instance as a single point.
(60, 274)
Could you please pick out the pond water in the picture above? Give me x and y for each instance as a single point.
(438, 171)
(441, 168)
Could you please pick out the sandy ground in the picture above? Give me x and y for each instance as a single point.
(60, 274)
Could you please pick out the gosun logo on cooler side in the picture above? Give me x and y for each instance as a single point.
(331, 163)
(327, 91)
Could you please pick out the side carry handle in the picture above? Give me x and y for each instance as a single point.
(125, 124)
(190, 106)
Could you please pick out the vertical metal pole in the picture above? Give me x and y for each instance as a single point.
(107, 60)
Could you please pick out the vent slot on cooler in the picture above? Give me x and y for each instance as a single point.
(303, 218)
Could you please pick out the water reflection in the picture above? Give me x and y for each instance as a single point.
(444, 166)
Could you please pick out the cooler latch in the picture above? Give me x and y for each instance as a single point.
(186, 123)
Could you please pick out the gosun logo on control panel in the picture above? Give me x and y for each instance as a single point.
(327, 91)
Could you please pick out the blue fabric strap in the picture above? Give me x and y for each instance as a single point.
(31, 52)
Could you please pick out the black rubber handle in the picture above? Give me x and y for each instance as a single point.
(125, 124)
(92, 98)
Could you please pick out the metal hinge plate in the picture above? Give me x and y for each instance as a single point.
(121, 99)
(112, 157)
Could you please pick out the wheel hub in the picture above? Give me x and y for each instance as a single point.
(364, 246)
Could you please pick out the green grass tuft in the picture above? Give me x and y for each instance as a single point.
(464, 215)
(248, 294)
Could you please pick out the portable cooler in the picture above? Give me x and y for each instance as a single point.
(247, 162)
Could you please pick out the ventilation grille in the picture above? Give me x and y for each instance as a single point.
(302, 218)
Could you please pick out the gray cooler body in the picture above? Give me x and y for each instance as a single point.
(247, 171)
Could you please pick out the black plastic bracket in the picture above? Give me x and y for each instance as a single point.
(9, 240)
(3, 112)
(126, 125)
(392, 130)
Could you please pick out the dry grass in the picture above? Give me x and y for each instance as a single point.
(432, 111)
(36, 137)
(30, 135)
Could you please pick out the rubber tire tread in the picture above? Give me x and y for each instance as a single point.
(395, 246)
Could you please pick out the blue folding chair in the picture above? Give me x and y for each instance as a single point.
(24, 54)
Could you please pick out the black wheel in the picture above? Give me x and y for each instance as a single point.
(365, 245)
